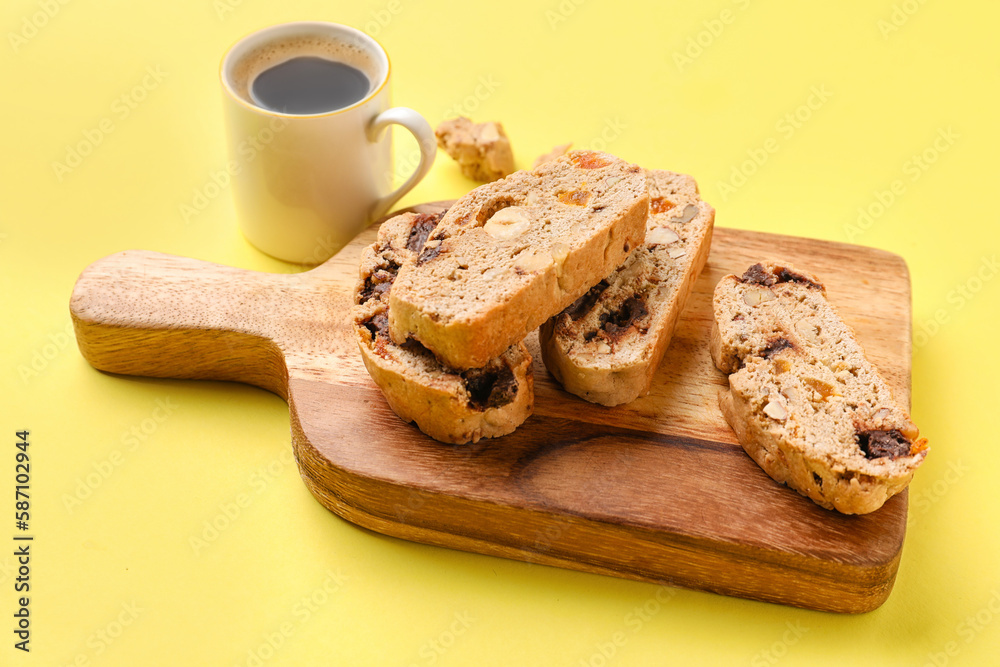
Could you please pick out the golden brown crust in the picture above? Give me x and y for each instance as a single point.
(811, 477)
(438, 409)
(588, 347)
(511, 254)
(803, 400)
(446, 404)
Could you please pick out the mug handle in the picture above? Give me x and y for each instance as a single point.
(420, 129)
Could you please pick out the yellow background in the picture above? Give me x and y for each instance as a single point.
(570, 70)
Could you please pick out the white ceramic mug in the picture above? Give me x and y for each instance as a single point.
(305, 185)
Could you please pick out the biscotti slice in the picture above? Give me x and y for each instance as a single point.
(607, 345)
(513, 253)
(482, 150)
(446, 404)
(803, 399)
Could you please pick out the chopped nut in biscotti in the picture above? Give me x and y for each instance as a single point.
(828, 426)
(661, 236)
(532, 260)
(775, 410)
(560, 251)
(482, 150)
(753, 297)
(507, 223)
(687, 215)
(808, 331)
(606, 347)
(791, 393)
(482, 402)
(553, 232)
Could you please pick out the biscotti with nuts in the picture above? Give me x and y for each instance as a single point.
(512, 253)
(607, 345)
(482, 150)
(804, 401)
(447, 404)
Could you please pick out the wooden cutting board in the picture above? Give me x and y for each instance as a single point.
(656, 490)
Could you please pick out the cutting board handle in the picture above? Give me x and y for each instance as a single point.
(146, 313)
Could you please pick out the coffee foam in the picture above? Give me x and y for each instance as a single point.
(274, 53)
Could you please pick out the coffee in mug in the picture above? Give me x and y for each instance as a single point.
(307, 111)
(307, 85)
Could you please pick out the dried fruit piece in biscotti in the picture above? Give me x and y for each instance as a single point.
(803, 399)
(607, 345)
(482, 150)
(511, 254)
(447, 404)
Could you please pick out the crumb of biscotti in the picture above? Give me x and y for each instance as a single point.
(556, 152)
(482, 150)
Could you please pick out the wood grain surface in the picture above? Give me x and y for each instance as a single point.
(655, 490)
